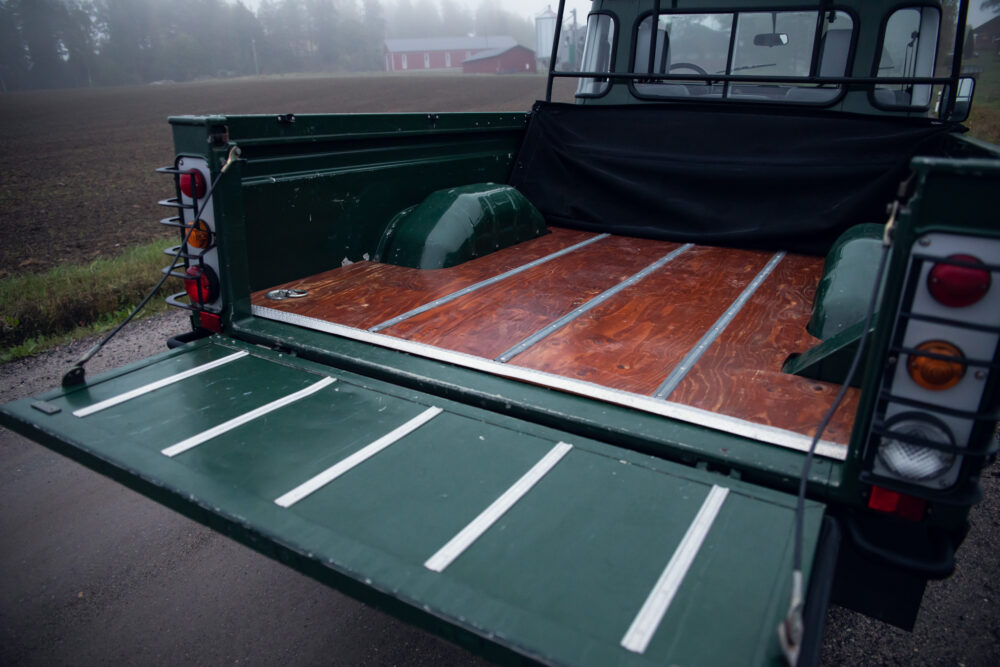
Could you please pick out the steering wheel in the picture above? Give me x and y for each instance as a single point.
(691, 66)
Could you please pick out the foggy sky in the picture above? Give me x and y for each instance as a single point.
(525, 8)
(532, 8)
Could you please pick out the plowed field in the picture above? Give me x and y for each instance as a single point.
(77, 179)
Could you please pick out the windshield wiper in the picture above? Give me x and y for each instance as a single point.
(742, 67)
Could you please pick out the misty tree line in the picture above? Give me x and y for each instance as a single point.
(67, 43)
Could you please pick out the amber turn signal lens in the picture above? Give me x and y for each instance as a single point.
(201, 236)
(936, 374)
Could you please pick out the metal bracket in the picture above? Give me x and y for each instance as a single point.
(46, 407)
(282, 294)
(218, 135)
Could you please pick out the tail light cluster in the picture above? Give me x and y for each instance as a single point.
(195, 220)
(932, 418)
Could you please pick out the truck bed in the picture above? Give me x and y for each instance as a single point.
(697, 329)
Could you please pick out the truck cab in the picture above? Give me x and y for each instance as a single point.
(711, 347)
(880, 58)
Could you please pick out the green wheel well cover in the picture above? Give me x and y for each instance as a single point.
(846, 285)
(458, 224)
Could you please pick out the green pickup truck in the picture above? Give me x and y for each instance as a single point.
(650, 378)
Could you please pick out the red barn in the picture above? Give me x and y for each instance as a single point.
(511, 60)
(402, 55)
(988, 36)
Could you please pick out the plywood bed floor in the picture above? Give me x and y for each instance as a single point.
(631, 341)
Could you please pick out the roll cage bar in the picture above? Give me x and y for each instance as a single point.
(951, 81)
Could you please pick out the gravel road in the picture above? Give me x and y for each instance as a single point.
(93, 573)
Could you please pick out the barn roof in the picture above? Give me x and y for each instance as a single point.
(503, 42)
(993, 25)
(492, 53)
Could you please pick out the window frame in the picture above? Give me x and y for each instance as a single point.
(735, 12)
(612, 56)
(883, 25)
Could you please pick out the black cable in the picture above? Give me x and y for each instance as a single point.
(790, 630)
(75, 374)
(855, 362)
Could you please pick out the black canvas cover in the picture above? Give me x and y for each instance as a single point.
(745, 177)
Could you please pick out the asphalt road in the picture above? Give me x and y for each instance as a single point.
(92, 573)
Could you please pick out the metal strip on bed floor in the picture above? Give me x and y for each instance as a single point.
(483, 283)
(589, 305)
(714, 420)
(691, 358)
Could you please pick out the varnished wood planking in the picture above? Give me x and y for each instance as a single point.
(740, 374)
(364, 294)
(630, 342)
(633, 341)
(489, 321)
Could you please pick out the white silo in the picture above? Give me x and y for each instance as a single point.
(545, 32)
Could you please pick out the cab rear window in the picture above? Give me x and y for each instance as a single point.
(909, 46)
(597, 54)
(775, 56)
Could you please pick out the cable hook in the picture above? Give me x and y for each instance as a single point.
(890, 225)
(232, 158)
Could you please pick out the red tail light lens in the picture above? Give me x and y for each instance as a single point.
(210, 321)
(900, 504)
(958, 286)
(198, 181)
(203, 285)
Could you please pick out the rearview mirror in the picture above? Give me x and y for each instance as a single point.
(770, 39)
(963, 100)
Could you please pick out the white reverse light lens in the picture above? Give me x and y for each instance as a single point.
(911, 461)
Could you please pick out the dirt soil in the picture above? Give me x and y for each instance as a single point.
(78, 180)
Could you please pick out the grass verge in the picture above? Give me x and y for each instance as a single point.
(105, 323)
(43, 310)
(984, 120)
(984, 123)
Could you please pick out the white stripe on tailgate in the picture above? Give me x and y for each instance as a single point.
(159, 384)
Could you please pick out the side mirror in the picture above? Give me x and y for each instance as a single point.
(770, 39)
(963, 100)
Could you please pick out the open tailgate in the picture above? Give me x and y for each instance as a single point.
(550, 545)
